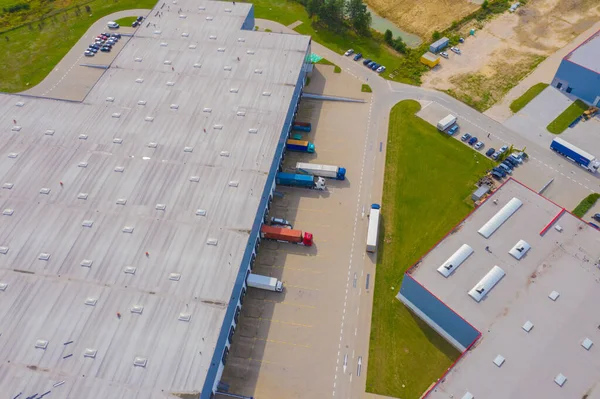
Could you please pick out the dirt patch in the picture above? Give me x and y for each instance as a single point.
(423, 17)
(506, 49)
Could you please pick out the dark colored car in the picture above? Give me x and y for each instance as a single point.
(375, 66)
(365, 62)
(357, 56)
(490, 152)
(511, 161)
(95, 45)
(117, 35)
(594, 225)
(105, 49)
(596, 217)
(93, 50)
(496, 175)
(140, 18)
(472, 140)
(135, 24)
(508, 164)
(500, 170)
(370, 64)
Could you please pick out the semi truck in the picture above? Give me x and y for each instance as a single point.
(575, 154)
(297, 180)
(446, 122)
(373, 231)
(300, 146)
(283, 234)
(264, 282)
(332, 172)
(302, 126)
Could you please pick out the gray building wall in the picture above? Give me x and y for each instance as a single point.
(578, 81)
(437, 314)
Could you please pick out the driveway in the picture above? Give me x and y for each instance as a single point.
(71, 79)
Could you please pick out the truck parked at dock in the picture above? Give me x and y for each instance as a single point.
(332, 172)
(302, 126)
(297, 180)
(283, 234)
(575, 154)
(264, 283)
(300, 146)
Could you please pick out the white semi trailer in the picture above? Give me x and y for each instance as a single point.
(264, 282)
(332, 172)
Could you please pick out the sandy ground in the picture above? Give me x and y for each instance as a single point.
(422, 17)
(507, 46)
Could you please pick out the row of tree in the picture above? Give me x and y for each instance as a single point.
(337, 14)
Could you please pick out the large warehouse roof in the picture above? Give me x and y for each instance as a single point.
(587, 54)
(125, 217)
(553, 291)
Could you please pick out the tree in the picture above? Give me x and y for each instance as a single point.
(331, 13)
(358, 16)
(388, 36)
(485, 4)
(313, 7)
(436, 35)
(399, 45)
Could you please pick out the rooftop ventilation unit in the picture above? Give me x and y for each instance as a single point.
(195, 179)
(218, 127)
(3, 286)
(196, 65)
(587, 344)
(520, 249)
(266, 93)
(44, 256)
(157, 32)
(212, 37)
(170, 83)
(234, 90)
(241, 39)
(137, 309)
(184, 317)
(221, 49)
(234, 183)
(152, 145)
(3, 250)
(116, 115)
(83, 137)
(209, 18)
(253, 130)
(128, 229)
(200, 212)
(110, 99)
(224, 153)
(82, 196)
(160, 207)
(89, 352)
(188, 149)
(499, 360)
(228, 10)
(167, 62)
(82, 164)
(140, 361)
(454, 261)
(560, 380)
(138, 59)
(139, 80)
(209, 110)
(192, 46)
(87, 223)
(117, 140)
(41, 344)
(500, 217)
(20, 104)
(130, 270)
(227, 68)
(7, 186)
(468, 395)
(8, 212)
(527, 326)
(86, 263)
(201, 8)
(250, 52)
(164, 44)
(49, 132)
(212, 241)
(45, 190)
(119, 169)
(554, 295)
(182, 16)
(141, 102)
(485, 285)
(149, 119)
(175, 276)
(121, 201)
(258, 71)
(16, 128)
(91, 301)
(185, 34)
(174, 106)
(13, 155)
(241, 113)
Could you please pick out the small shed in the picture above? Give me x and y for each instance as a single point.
(430, 59)
(480, 193)
(439, 45)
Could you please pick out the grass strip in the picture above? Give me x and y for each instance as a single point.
(562, 121)
(586, 204)
(526, 98)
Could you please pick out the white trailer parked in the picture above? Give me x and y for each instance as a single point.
(446, 122)
(264, 282)
(332, 172)
(373, 233)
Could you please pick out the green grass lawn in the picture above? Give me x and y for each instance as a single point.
(366, 88)
(529, 95)
(429, 177)
(30, 52)
(586, 204)
(563, 120)
(336, 69)
(126, 21)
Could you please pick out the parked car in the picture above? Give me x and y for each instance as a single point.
(349, 52)
(594, 225)
(472, 140)
(135, 24)
(93, 50)
(503, 149)
(465, 137)
(497, 175)
(94, 45)
(88, 53)
(500, 170)
(515, 158)
(366, 61)
(495, 155)
(117, 35)
(455, 50)
(511, 161)
(596, 217)
(506, 168)
(370, 64)
(140, 18)
(478, 145)
(453, 130)
(444, 54)
(112, 25)
(105, 49)
(375, 66)
(508, 165)
(380, 69)
(490, 152)
(280, 222)
(357, 56)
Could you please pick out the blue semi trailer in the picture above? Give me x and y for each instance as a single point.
(575, 154)
(302, 126)
(296, 180)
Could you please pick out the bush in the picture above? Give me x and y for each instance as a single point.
(585, 205)
(16, 8)
(436, 36)
(366, 89)
(388, 36)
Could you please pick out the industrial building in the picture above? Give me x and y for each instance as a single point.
(579, 71)
(515, 288)
(130, 220)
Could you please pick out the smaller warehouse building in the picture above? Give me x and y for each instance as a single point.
(579, 71)
(515, 287)
(430, 59)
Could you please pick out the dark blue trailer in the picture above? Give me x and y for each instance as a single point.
(575, 154)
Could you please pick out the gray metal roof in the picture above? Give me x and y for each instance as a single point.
(587, 54)
(566, 262)
(119, 201)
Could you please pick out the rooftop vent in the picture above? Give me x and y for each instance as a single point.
(188, 149)
(20, 104)
(149, 118)
(266, 93)
(91, 301)
(468, 395)
(197, 65)
(185, 34)
(87, 223)
(258, 71)
(152, 145)
(554, 295)
(137, 309)
(527, 326)
(224, 154)
(139, 80)
(234, 183)
(241, 39)
(218, 127)
(117, 140)
(49, 132)
(558, 228)
(212, 241)
(89, 352)
(167, 62)
(587, 344)
(82, 164)
(174, 276)
(83, 137)
(195, 179)
(16, 128)
(184, 317)
(121, 201)
(7, 186)
(8, 212)
(241, 113)
(209, 110)
(45, 190)
(41, 344)
(141, 102)
(138, 59)
(234, 90)
(227, 68)
(192, 46)
(82, 196)
(160, 207)
(251, 52)
(560, 380)
(200, 212)
(140, 361)
(119, 169)
(3, 286)
(253, 130)
(86, 263)
(129, 270)
(499, 360)
(174, 106)
(201, 8)
(209, 18)
(170, 83)
(221, 49)
(128, 229)
(157, 32)
(164, 44)
(212, 37)
(110, 99)
(13, 155)
(228, 10)
(182, 16)
(3, 250)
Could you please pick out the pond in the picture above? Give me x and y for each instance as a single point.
(381, 24)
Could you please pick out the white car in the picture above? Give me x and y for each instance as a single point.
(88, 53)
(503, 149)
(112, 25)
(478, 145)
(349, 52)
(380, 69)
(444, 54)
(456, 50)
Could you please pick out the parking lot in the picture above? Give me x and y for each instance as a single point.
(287, 343)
